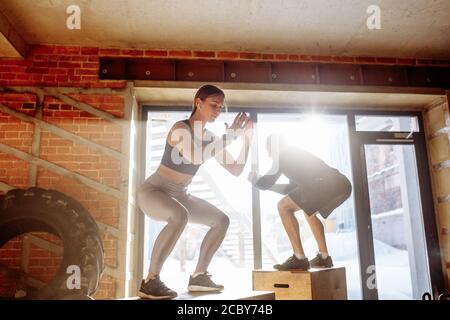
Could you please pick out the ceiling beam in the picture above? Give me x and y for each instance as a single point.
(12, 45)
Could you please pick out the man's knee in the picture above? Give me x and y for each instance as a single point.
(285, 206)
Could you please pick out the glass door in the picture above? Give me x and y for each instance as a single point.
(397, 225)
(395, 215)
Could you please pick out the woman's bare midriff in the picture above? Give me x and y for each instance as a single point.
(175, 176)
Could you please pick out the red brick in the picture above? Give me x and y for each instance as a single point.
(204, 54)
(36, 77)
(281, 56)
(49, 78)
(132, 52)
(90, 65)
(70, 84)
(110, 174)
(75, 78)
(11, 134)
(42, 49)
(7, 76)
(268, 56)
(424, 62)
(78, 58)
(114, 84)
(89, 51)
(406, 61)
(180, 53)
(344, 59)
(228, 55)
(15, 69)
(65, 58)
(20, 83)
(67, 50)
(321, 58)
(86, 71)
(387, 60)
(62, 78)
(45, 64)
(249, 55)
(64, 64)
(109, 52)
(89, 79)
(92, 128)
(58, 71)
(365, 60)
(63, 150)
(156, 53)
(48, 150)
(65, 113)
(16, 62)
(11, 127)
(37, 70)
(304, 58)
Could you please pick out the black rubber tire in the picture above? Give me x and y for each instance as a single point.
(40, 210)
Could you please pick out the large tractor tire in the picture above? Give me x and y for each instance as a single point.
(39, 210)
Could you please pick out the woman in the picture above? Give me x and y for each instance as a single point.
(163, 195)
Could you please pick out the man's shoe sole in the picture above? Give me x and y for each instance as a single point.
(302, 269)
(193, 288)
(322, 267)
(150, 297)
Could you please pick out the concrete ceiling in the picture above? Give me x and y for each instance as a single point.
(307, 97)
(409, 28)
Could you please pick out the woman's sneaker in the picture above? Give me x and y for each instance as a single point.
(202, 283)
(155, 289)
(319, 262)
(293, 263)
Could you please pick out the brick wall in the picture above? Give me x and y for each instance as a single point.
(437, 121)
(48, 65)
(68, 67)
(69, 155)
(62, 66)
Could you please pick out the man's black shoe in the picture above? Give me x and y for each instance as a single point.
(292, 263)
(319, 262)
(203, 282)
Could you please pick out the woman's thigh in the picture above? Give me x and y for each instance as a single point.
(159, 205)
(202, 212)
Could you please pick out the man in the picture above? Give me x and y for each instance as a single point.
(314, 188)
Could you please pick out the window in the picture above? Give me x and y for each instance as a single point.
(214, 184)
(386, 123)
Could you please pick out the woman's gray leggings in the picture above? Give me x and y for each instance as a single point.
(164, 200)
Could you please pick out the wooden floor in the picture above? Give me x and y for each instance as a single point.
(228, 295)
(225, 295)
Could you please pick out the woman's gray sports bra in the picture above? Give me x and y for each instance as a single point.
(185, 166)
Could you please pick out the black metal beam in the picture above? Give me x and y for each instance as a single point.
(372, 75)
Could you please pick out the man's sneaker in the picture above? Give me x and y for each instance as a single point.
(203, 282)
(292, 263)
(319, 262)
(155, 289)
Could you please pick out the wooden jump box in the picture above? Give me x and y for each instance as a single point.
(314, 284)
